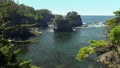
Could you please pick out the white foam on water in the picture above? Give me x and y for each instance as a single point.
(99, 24)
(51, 30)
(50, 25)
(84, 23)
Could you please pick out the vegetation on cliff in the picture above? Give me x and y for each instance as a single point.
(8, 31)
(19, 18)
(22, 14)
(8, 52)
(108, 51)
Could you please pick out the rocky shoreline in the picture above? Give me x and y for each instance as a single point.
(109, 57)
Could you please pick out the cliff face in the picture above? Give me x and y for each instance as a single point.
(65, 24)
(19, 20)
(62, 26)
(41, 23)
(109, 56)
(76, 21)
(17, 33)
(74, 18)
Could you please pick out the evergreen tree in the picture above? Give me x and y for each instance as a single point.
(8, 53)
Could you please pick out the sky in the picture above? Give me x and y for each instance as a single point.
(83, 7)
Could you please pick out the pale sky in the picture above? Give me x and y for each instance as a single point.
(83, 7)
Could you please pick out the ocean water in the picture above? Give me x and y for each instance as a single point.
(58, 50)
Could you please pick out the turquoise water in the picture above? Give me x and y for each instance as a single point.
(58, 50)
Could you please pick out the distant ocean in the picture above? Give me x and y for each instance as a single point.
(58, 50)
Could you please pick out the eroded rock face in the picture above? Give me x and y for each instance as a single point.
(74, 19)
(62, 26)
(111, 59)
(65, 24)
(76, 22)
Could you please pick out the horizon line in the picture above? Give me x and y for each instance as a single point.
(90, 15)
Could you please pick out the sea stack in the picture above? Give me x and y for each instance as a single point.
(61, 25)
(65, 24)
(74, 19)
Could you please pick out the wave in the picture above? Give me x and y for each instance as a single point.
(85, 25)
(51, 30)
(50, 25)
(98, 24)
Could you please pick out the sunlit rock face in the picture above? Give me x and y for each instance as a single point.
(111, 59)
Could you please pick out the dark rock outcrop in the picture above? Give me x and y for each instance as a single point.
(41, 23)
(65, 24)
(17, 33)
(62, 26)
(74, 19)
(77, 22)
(27, 20)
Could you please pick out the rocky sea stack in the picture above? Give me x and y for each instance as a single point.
(61, 25)
(65, 24)
(74, 19)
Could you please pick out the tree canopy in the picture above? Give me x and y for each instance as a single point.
(115, 35)
(112, 44)
(8, 52)
(117, 13)
(57, 18)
